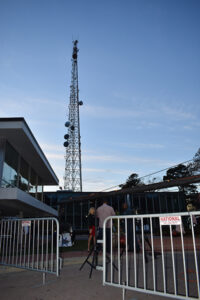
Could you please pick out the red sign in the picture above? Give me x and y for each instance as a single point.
(26, 223)
(170, 220)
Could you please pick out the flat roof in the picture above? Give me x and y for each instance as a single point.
(143, 188)
(13, 200)
(18, 134)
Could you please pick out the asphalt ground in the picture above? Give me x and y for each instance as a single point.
(72, 284)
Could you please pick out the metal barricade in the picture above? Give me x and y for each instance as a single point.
(154, 254)
(30, 244)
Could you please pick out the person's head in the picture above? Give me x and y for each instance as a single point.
(104, 201)
(91, 211)
(191, 207)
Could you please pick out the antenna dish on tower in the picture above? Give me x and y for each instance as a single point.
(66, 144)
(67, 124)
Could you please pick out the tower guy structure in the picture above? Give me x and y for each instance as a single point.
(73, 172)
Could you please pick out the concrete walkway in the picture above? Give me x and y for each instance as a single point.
(72, 284)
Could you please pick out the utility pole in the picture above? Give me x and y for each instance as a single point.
(73, 172)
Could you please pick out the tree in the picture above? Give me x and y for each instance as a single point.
(181, 171)
(195, 164)
(197, 157)
(133, 180)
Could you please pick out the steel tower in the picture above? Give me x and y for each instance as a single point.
(73, 173)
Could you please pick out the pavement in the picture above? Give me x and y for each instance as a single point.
(72, 284)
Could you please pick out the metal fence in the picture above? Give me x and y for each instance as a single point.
(30, 244)
(154, 254)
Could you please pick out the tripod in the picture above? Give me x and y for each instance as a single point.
(94, 263)
(95, 251)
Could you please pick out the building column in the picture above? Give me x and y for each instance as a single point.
(2, 157)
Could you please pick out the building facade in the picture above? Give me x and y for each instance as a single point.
(24, 170)
(74, 210)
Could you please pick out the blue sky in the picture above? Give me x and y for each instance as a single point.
(139, 79)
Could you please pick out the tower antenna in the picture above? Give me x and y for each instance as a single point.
(73, 172)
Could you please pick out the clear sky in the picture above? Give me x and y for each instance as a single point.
(139, 79)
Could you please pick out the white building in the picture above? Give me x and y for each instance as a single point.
(24, 170)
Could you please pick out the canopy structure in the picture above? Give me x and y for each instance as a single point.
(15, 200)
(143, 188)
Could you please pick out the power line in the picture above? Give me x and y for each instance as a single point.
(187, 161)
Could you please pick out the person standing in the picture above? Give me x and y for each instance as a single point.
(102, 213)
(91, 225)
(130, 235)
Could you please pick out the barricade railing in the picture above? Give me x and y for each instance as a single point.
(31, 244)
(154, 254)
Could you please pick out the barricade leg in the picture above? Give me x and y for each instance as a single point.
(44, 278)
(123, 294)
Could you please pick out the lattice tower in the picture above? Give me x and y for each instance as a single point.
(73, 172)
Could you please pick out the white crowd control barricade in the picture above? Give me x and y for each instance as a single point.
(31, 244)
(154, 254)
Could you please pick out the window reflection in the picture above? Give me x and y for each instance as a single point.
(18, 173)
(33, 183)
(10, 167)
(23, 175)
(40, 189)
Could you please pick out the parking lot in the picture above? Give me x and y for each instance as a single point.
(17, 284)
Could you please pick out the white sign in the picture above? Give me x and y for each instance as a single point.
(170, 220)
(26, 223)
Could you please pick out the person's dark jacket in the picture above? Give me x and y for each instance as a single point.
(91, 220)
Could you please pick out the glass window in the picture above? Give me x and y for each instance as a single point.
(175, 202)
(69, 213)
(163, 203)
(51, 199)
(142, 204)
(156, 203)
(62, 213)
(10, 167)
(169, 203)
(136, 201)
(116, 200)
(47, 199)
(182, 202)
(149, 203)
(114, 204)
(121, 201)
(77, 214)
(33, 183)
(85, 211)
(23, 175)
(40, 189)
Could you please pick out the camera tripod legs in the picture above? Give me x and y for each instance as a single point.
(94, 260)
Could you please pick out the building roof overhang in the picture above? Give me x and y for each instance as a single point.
(13, 201)
(142, 188)
(19, 135)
